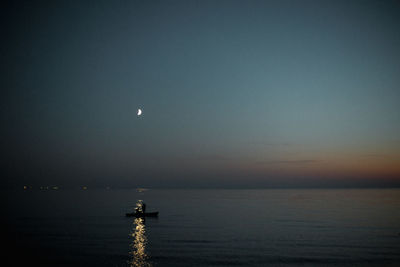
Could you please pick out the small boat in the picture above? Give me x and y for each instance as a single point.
(141, 214)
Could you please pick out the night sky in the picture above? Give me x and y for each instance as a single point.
(235, 94)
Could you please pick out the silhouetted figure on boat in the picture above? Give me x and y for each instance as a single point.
(140, 211)
(144, 207)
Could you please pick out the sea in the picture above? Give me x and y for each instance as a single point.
(268, 227)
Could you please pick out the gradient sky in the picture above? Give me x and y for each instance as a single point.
(234, 93)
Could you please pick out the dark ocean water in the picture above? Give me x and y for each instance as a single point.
(335, 227)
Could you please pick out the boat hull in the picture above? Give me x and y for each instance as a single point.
(140, 215)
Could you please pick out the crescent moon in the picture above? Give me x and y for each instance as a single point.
(139, 112)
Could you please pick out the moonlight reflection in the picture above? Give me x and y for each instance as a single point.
(138, 247)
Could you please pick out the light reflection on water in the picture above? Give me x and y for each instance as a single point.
(337, 227)
(139, 257)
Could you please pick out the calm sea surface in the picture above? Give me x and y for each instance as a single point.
(206, 227)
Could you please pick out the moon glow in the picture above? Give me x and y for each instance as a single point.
(139, 112)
